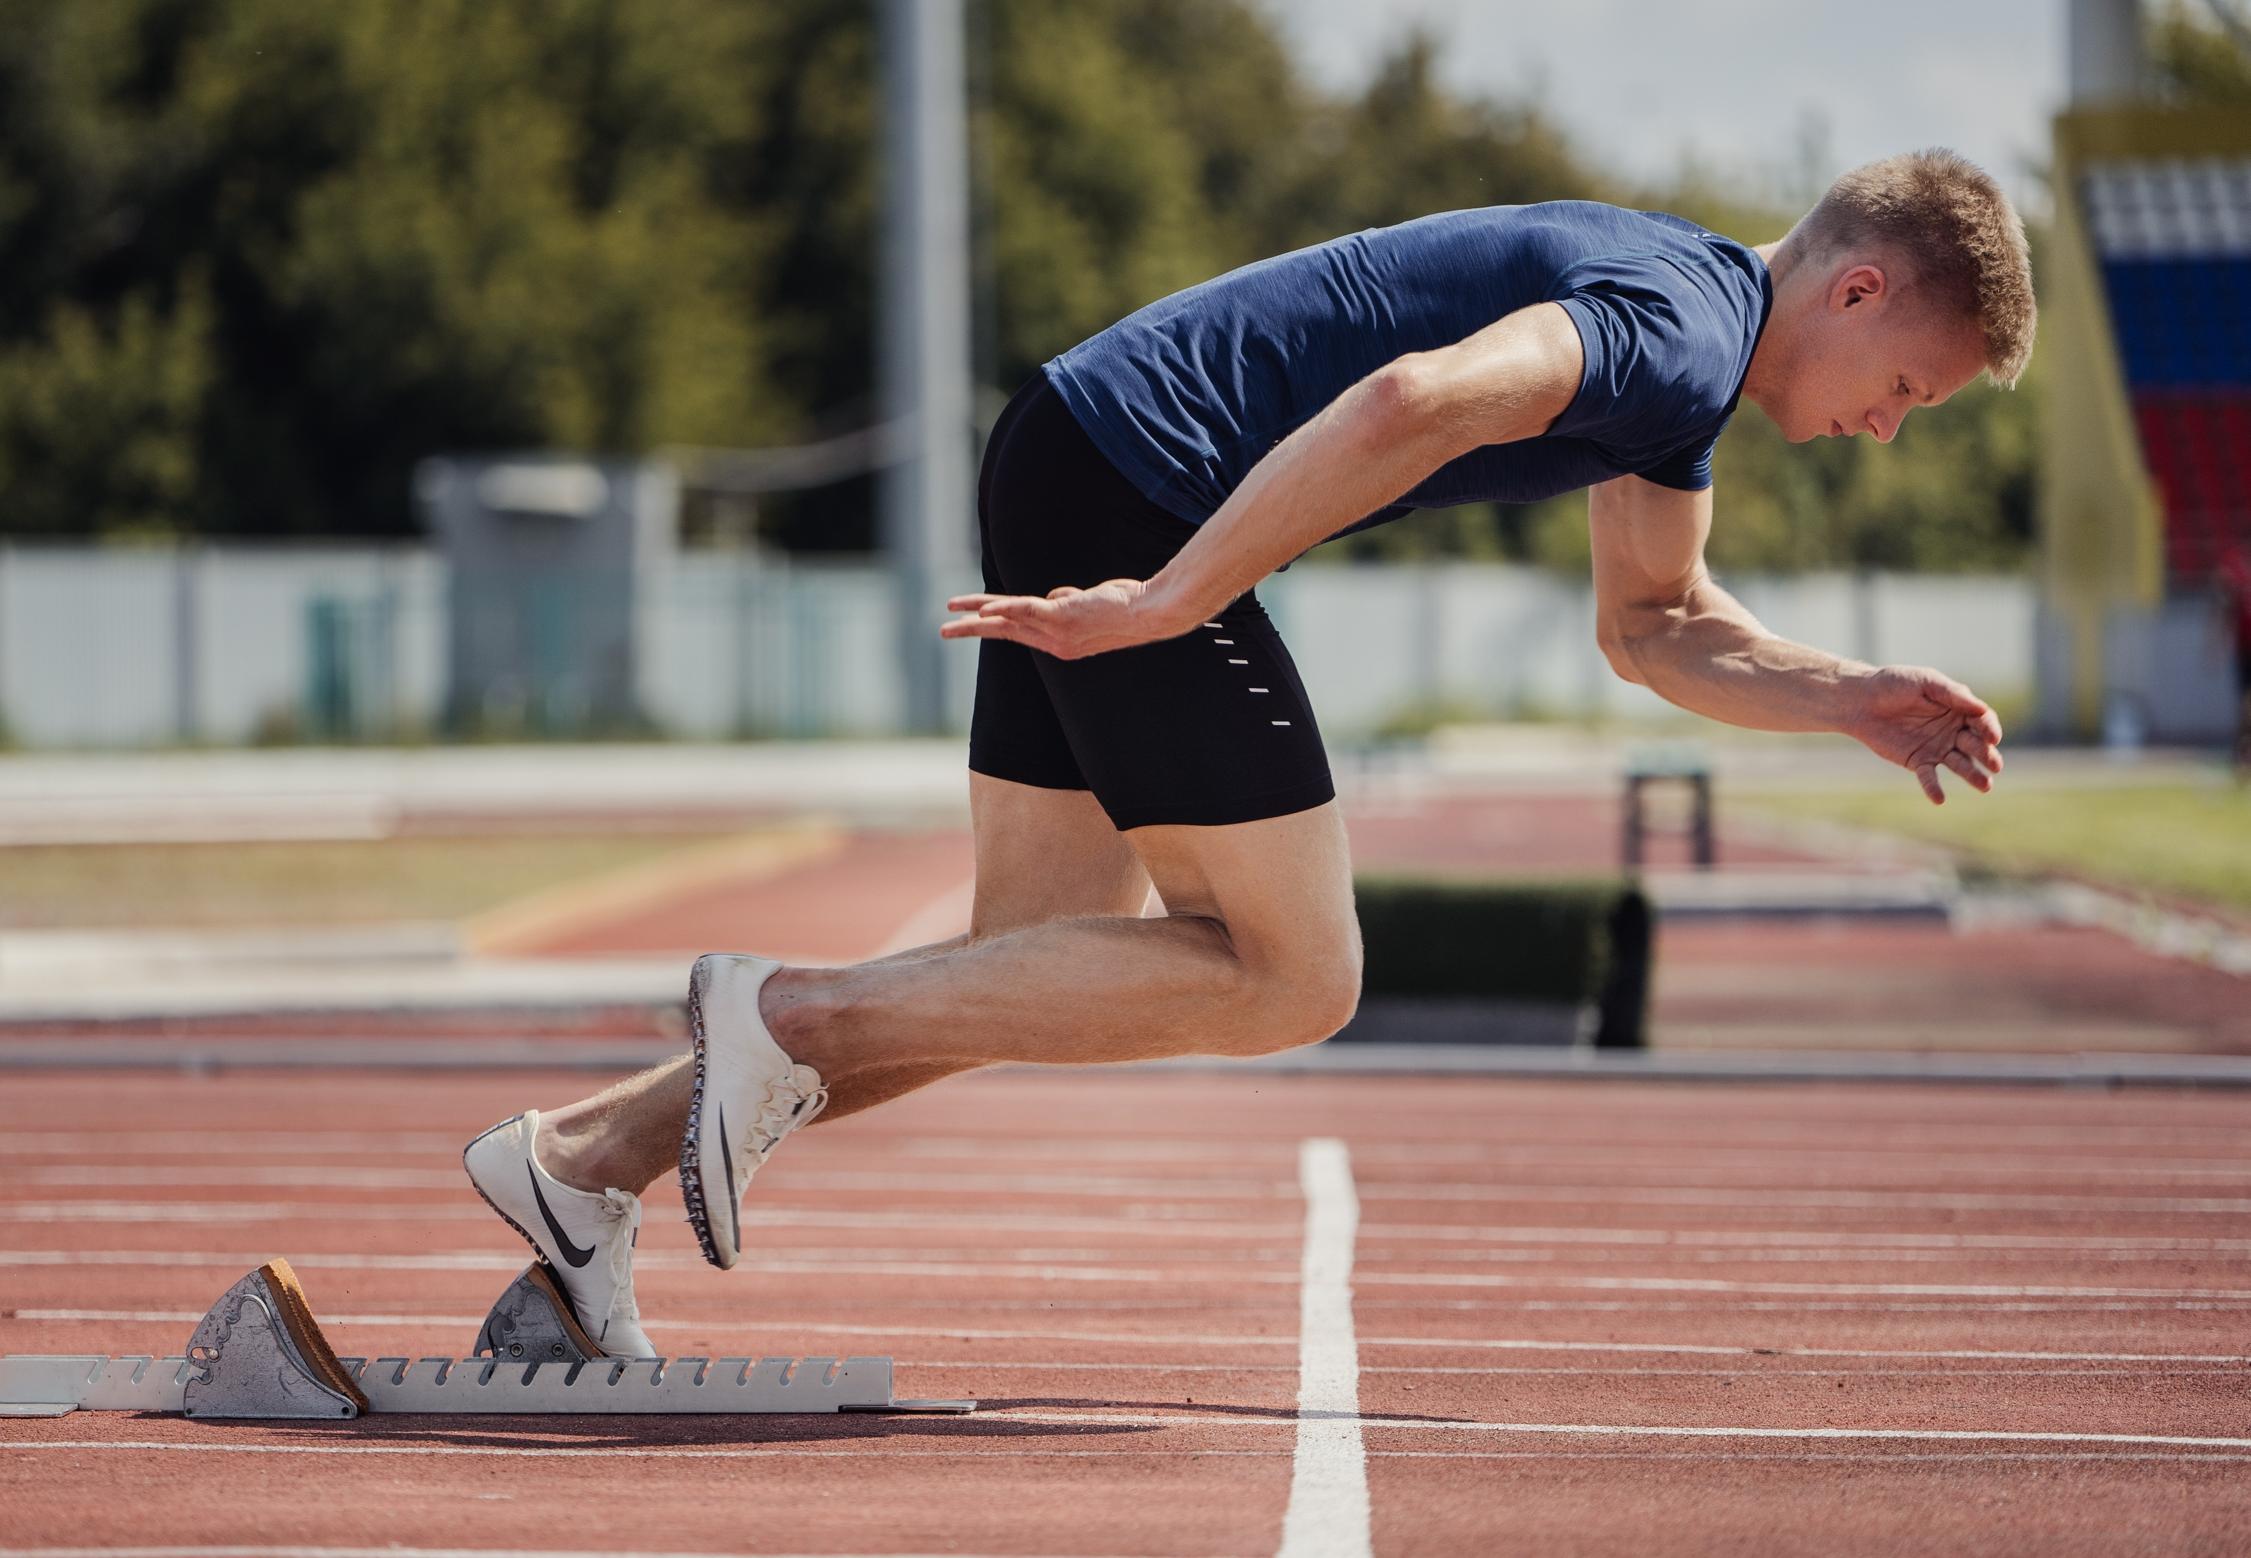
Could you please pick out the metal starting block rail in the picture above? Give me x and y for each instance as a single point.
(259, 1353)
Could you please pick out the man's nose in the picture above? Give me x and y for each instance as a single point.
(1885, 427)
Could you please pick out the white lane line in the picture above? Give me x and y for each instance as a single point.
(1699, 1172)
(971, 1271)
(1328, 1513)
(1498, 1279)
(1780, 1196)
(1738, 1457)
(1016, 1448)
(1167, 1223)
(1159, 1190)
(294, 1551)
(1013, 1449)
(1558, 1239)
(2188, 1368)
(230, 1140)
(1948, 1163)
(1771, 1255)
(2078, 1143)
(1852, 1134)
(1242, 1273)
(1247, 1339)
(1643, 1430)
(94, 1211)
(291, 1175)
(967, 1426)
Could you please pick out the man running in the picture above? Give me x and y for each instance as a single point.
(1138, 721)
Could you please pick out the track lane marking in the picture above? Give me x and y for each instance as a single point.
(1328, 1514)
(2186, 1365)
(798, 1181)
(298, 1551)
(1649, 1430)
(1243, 1339)
(966, 1427)
(1268, 1275)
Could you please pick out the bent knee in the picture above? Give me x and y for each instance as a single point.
(1303, 1002)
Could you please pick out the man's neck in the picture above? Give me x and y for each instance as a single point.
(1772, 347)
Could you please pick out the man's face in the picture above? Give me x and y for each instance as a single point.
(1870, 354)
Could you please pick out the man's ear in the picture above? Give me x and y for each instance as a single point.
(1860, 284)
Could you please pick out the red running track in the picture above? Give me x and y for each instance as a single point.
(1584, 1318)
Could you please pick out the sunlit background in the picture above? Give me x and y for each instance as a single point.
(566, 414)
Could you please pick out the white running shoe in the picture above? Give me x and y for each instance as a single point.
(585, 1239)
(748, 1096)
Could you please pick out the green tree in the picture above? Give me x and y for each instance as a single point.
(259, 257)
(2201, 53)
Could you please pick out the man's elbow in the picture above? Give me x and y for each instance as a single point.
(1398, 400)
(1619, 647)
(1408, 404)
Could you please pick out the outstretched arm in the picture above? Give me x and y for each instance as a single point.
(1370, 445)
(1664, 622)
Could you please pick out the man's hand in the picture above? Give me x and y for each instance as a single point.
(1069, 623)
(1922, 720)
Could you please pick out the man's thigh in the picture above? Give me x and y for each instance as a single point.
(1047, 854)
(1282, 886)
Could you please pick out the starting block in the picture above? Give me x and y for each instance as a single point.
(259, 1353)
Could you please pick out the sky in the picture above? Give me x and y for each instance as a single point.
(1637, 83)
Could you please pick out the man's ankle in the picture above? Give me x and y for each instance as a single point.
(799, 1007)
(569, 1158)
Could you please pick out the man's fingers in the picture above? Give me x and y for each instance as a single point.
(978, 627)
(1004, 605)
(1958, 696)
(1018, 608)
(1960, 762)
(1972, 743)
(1927, 774)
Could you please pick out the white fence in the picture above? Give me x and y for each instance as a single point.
(226, 645)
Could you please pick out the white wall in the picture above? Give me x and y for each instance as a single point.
(121, 648)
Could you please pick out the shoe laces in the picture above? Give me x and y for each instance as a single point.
(787, 1105)
(621, 1224)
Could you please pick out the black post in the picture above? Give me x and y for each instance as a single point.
(1623, 1005)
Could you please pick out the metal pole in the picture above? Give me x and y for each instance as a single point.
(187, 642)
(923, 353)
(2105, 45)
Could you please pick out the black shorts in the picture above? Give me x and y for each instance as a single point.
(1209, 728)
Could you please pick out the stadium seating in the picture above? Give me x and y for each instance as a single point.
(2174, 241)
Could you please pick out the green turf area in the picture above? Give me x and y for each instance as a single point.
(2189, 840)
(202, 885)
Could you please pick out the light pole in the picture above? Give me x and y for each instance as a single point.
(922, 369)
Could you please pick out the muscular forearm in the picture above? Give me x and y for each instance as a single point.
(1711, 656)
(1361, 452)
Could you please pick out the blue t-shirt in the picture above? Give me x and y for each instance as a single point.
(1186, 395)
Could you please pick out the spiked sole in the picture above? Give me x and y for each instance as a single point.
(691, 1155)
(538, 1255)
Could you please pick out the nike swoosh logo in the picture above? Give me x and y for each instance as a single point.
(734, 1201)
(571, 1252)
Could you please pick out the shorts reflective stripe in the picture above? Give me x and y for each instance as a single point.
(1258, 689)
(1238, 662)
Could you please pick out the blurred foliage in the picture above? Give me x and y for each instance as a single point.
(2198, 56)
(258, 257)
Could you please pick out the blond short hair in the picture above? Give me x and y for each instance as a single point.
(1956, 233)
